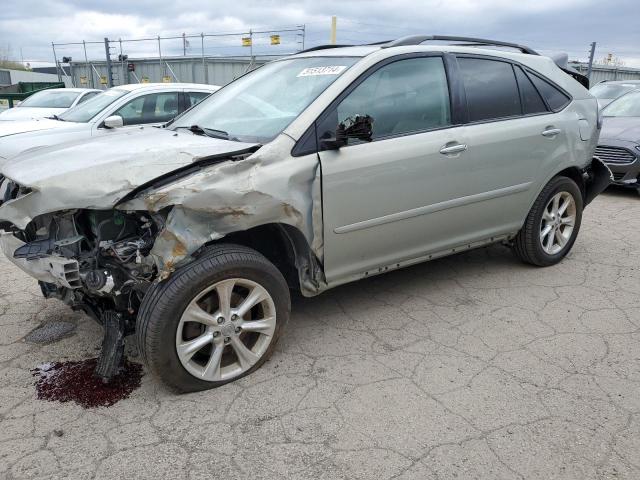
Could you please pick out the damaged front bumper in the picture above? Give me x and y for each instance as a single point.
(60, 271)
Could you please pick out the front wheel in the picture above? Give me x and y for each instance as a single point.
(215, 320)
(552, 225)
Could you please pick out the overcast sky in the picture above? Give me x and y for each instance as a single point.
(28, 26)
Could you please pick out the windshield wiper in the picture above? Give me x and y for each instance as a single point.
(56, 117)
(209, 132)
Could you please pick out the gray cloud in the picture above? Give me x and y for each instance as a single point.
(547, 25)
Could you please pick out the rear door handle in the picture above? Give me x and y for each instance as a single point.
(551, 132)
(452, 149)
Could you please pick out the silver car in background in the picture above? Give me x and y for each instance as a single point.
(607, 91)
(318, 169)
(117, 109)
(619, 144)
(47, 103)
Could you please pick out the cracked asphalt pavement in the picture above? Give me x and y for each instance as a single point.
(473, 366)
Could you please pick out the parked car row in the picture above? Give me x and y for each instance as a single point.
(119, 108)
(47, 103)
(314, 170)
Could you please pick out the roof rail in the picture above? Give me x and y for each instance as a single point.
(323, 47)
(418, 39)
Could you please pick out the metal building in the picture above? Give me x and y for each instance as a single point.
(208, 70)
(599, 73)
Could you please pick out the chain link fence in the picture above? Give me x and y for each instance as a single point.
(215, 58)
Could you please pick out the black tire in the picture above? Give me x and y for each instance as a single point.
(527, 244)
(162, 308)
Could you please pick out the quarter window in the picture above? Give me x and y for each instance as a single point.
(152, 108)
(87, 97)
(556, 99)
(402, 97)
(195, 97)
(491, 89)
(531, 100)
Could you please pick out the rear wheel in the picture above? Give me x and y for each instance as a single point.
(552, 225)
(215, 320)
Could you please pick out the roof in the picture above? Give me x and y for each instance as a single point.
(362, 51)
(139, 86)
(79, 90)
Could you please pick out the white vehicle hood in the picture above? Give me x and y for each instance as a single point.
(97, 173)
(28, 113)
(22, 126)
(56, 132)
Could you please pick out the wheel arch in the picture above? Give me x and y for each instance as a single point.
(287, 248)
(592, 179)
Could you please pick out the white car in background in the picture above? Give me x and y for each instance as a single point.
(117, 109)
(46, 103)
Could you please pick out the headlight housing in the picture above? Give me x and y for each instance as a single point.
(10, 190)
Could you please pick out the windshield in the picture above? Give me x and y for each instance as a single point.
(259, 105)
(50, 99)
(608, 91)
(85, 111)
(627, 106)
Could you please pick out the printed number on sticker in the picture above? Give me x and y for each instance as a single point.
(329, 70)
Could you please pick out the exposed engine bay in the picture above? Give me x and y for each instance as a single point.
(97, 261)
(93, 260)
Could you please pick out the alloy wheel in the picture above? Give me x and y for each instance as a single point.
(558, 222)
(226, 329)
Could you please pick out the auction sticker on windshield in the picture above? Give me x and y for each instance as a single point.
(328, 70)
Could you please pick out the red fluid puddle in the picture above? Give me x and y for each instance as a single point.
(76, 382)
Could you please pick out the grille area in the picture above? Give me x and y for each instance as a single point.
(615, 155)
(617, 176)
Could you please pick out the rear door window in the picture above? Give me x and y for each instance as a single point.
(151, 108)
(491, 89)
(531, 100)
(555, 98)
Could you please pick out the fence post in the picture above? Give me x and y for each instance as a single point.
(205, 70)
(108, 57)
(86, 64)
(161, 62)
(55, 59)
(591, 54)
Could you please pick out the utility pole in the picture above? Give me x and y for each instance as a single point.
(108, 57)
(591, 54)
(334, 24)
(184, 45)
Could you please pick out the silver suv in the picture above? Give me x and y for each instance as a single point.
(312, 171)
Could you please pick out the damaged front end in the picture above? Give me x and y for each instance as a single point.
(99, 238)
(95, 261)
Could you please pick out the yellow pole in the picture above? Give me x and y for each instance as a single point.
(334, 22)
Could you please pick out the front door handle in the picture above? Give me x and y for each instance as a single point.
(551, 132)
(453, 149)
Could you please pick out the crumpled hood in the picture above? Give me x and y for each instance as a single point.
(28, 113)
(22, 126)
(99, 172)
(621, 128)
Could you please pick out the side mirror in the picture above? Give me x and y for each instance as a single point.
(114, 121)
(358, 126)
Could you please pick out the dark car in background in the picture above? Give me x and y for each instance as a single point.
(607, 91)
(619, 144)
